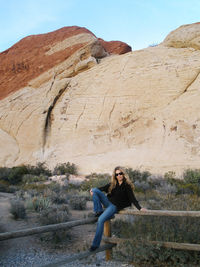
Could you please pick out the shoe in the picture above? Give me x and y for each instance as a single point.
(92, 248)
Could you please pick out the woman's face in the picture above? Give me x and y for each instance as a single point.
(119, 176)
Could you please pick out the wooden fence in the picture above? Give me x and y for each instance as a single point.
(109, 240)
(56, 227)
(181, 246)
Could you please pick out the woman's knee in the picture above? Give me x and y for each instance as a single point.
(95, 190)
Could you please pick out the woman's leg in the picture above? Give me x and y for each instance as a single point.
(99, 198)
(106, 215)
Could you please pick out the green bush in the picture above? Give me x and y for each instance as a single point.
(39, 188)
(54, 215)
(4, 186)
(17, 209)
(39, 169)
(56, 197)
(30, 178)
(95, 180)
(16, 174)
(192, 176)
(78, 203)
(136, 175)
(65, 168)
(40, 203)
(4, 173)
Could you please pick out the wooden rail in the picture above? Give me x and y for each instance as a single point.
(161, 213)
(44, 229)
(174, 245)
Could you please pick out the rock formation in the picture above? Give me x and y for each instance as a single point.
(99, 109)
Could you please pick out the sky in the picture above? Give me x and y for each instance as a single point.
(139, 23)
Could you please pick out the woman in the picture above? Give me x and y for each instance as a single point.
(120, 195)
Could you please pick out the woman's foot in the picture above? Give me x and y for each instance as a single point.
(93, 248)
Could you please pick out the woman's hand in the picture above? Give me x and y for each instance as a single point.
(143, 209)
(91, 193)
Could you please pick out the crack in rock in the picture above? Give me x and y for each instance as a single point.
(186, 88)
(47, 126)
(80, 116)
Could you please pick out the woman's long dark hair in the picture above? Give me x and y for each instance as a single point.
(114, 180)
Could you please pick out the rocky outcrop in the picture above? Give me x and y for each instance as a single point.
(184, 37)
(115, 47)
(139, 109)
(75, 48)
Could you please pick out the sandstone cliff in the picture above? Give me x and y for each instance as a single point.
(99, 109)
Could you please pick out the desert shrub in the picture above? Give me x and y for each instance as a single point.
(78, 202)
(2, 229)
(55, 187)
(65, 168)
(192, 176)
(170, 175)
(162, 185)
(85, 194)
(136, 175)
(39, 169)
(30, 178)
(59, 197)
(4, 173)
(53, 215)
(189, 189)
(16, 174)
(39, 188)
(39, 203)
(4, 186)
(17, 209)
(147, 255)
(95, 180)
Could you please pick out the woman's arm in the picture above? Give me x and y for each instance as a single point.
(132, 198)
(104, 188)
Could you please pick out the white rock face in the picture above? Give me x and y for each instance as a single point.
(138, 110)
(184, 36)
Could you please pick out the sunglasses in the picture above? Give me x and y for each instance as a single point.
(120, 173)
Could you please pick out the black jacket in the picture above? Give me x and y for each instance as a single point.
(121, 196)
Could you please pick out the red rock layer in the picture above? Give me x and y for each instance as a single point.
(115, 47)
(27, 59)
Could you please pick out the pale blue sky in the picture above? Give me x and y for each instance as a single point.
(139, 23)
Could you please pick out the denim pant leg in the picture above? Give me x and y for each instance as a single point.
(106, 215)
(99, 198)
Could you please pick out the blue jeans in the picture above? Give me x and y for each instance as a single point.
(100, 198)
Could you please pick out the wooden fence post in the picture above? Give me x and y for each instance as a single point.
(107, 233)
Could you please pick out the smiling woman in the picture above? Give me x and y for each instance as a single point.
(120, 195)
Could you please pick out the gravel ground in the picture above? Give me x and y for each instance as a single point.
(38, 258)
